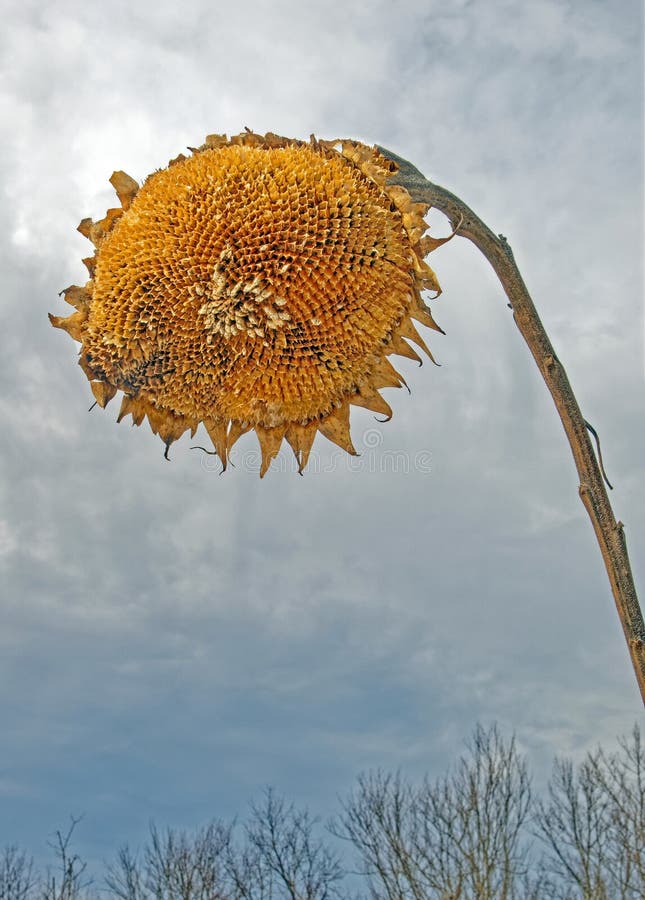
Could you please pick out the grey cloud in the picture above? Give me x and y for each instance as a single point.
(172, 639)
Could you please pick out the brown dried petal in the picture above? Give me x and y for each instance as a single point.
(258, 285)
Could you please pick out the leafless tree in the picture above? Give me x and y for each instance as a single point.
(282, 857)
(378, 819)
(462, 836)
(471, 834)
(175, 866)
(125, 878)
(593, 824)
(279, 856)
(68, 881)
(17, 875)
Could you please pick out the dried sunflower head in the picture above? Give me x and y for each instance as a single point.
(259, 284)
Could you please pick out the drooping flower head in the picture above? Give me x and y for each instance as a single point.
(261, 283)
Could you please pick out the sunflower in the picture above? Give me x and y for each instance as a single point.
(259, 284)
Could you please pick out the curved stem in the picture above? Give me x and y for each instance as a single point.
(609, 532)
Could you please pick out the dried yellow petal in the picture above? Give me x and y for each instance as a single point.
(126, 188)
(259, 284)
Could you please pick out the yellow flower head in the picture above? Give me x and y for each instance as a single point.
(259, 284)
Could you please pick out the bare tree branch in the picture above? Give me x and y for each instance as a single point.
(71, 883)
(175, 866)
(593, 823)
(279, 858)
(17, 875)
(461, 837)
(472, 833)
(285, 854)
(125, 878)
(622, 778)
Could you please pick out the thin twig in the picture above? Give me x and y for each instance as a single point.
(609, 533)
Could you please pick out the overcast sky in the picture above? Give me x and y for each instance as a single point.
(172, 640)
